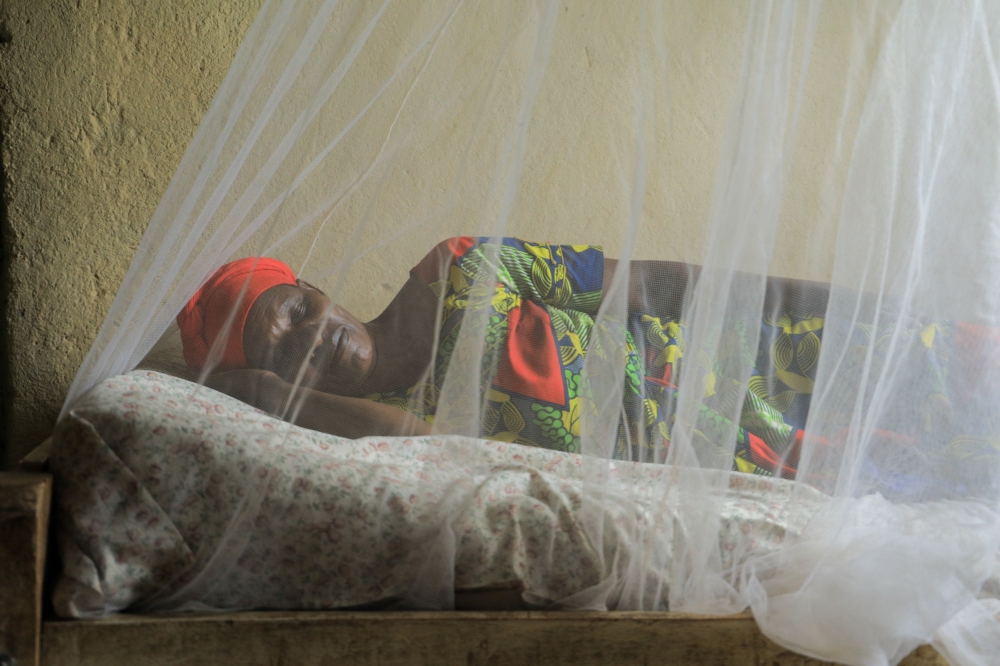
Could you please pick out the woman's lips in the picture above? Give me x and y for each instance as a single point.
(338, 345)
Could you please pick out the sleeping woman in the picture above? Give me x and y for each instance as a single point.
(384, 377)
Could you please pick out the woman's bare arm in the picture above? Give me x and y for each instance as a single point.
(659, 288)
(656, 288)
(353, 417)
(333, 414)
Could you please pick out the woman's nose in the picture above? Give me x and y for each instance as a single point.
(322, 337)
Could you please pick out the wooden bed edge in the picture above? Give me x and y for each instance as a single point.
(25, 502)
(342, 637)
(38, 459)
(431, 638)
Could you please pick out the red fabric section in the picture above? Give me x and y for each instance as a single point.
(796, 451)
(206, 314)
(977, 349)
(668, 375)
(764, 456)
(793, 455)
(531, 365)
(434, 266)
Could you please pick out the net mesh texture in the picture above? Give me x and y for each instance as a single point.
(680, 244)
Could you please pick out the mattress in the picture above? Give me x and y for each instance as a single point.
(173, 496)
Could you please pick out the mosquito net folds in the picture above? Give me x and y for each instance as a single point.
(715, 260)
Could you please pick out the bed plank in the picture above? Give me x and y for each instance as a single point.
(24, 518)
(38, 459)
(466, 638)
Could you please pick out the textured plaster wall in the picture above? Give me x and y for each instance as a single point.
(99, 100)
(570, 188)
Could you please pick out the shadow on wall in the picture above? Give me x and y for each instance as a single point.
(5, 384)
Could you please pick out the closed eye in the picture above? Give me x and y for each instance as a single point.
(294, 347)
(299, 311)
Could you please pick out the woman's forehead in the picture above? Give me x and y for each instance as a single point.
(272, 306)
(276, 302)
(282, 295)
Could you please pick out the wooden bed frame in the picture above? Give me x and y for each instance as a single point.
(31, 636)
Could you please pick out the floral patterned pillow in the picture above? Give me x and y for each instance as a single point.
(173, 496)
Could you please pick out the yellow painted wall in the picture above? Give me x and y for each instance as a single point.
(101, 97)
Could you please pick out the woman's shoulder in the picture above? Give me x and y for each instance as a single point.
(579, 261)
(435, 263)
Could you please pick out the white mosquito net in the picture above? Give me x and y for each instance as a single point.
(688, 246)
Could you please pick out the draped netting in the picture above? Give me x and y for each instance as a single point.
(850, 151)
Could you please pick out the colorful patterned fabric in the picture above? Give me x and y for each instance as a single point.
(775, 403)
(541, 314)
(541, 319)
(921, 442)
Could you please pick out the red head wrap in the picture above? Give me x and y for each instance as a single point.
(204, 316)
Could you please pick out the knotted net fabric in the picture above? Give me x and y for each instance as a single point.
(759, 238)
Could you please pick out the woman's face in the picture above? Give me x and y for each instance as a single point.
(292, 324)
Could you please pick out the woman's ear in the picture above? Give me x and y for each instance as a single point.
(305, 285)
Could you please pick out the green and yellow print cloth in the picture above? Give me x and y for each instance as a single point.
(541, 309)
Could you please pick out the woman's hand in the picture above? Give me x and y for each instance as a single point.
(261, 388)
(316, 410)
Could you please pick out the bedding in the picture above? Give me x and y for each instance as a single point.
(173, 496)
